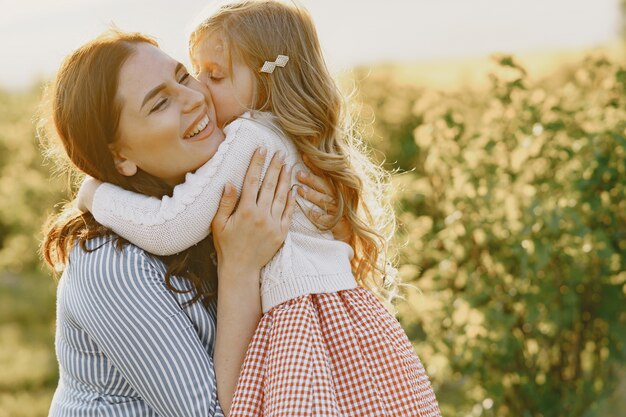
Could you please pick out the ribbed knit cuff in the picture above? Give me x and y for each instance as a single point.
(311, 284)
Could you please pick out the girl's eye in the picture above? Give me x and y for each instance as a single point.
(184, 78)
(213, 76)
(158, 106)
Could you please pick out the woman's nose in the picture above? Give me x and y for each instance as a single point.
(192, 99)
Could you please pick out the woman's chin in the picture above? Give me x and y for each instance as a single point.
(202, 150)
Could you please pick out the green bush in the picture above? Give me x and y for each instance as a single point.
(28, 191)
(513, 207)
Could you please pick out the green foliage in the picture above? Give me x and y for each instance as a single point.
(28, 193)
(29, 369)
(28, 373)
(514, 216)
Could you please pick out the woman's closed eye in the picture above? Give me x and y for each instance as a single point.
(159, 105)
(163, 100)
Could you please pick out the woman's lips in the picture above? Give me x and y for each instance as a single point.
(206, 131)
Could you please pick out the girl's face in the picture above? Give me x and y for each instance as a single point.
(167, 121)
(233, 95)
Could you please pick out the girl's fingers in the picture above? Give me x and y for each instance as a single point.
(270, 181)
(251, 183)
(282, 192)
(323, 201)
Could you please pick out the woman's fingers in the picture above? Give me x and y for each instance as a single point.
(281, 194)
(323, 201)
(341, 230)
(317, 191)
(315, 182)
(226, 207)
(271, 180)
(318, 216)
(289, 209)
(253, 177)
(322, 195)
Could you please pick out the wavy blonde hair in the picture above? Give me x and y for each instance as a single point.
(312, 112)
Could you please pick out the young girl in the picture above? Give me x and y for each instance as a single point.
(325, 344)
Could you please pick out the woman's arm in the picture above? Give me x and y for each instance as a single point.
(245, 240)
(172, 224)
(121, 300)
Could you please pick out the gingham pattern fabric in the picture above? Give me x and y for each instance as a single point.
(337, 354)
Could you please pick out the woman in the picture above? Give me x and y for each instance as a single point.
(135, 332)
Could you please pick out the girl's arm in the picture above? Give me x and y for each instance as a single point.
(172, 224)
(121, 300)
(84, 197)
(245, 240)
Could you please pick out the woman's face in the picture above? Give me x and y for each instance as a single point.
(167, 121)
(232, 95)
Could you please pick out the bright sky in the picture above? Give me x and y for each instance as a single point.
(35, 35)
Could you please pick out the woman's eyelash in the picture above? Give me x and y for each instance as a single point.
(159, 105)
(184, 78)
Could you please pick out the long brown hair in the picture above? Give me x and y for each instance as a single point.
(311, 110)
(85, 120)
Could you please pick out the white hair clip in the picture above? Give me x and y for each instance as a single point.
(269, 66)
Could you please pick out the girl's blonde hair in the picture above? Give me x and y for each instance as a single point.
(310, 109)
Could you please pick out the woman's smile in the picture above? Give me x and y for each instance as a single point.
(201, 129)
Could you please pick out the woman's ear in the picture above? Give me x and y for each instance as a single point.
(123, 165)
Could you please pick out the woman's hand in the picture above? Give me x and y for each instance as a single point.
(318, 191)
(247, 238)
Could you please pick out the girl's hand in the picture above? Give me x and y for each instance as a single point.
(248, 237)
(318, 191)
(84, 198)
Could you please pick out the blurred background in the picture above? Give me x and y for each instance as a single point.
(504, 122)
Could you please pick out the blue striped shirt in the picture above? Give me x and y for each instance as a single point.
(126, 344)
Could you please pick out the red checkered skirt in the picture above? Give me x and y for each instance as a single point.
(337, 354)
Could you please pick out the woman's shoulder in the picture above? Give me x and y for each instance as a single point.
(107, 246)
(104, 257)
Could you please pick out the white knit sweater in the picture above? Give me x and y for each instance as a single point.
(309, 262)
